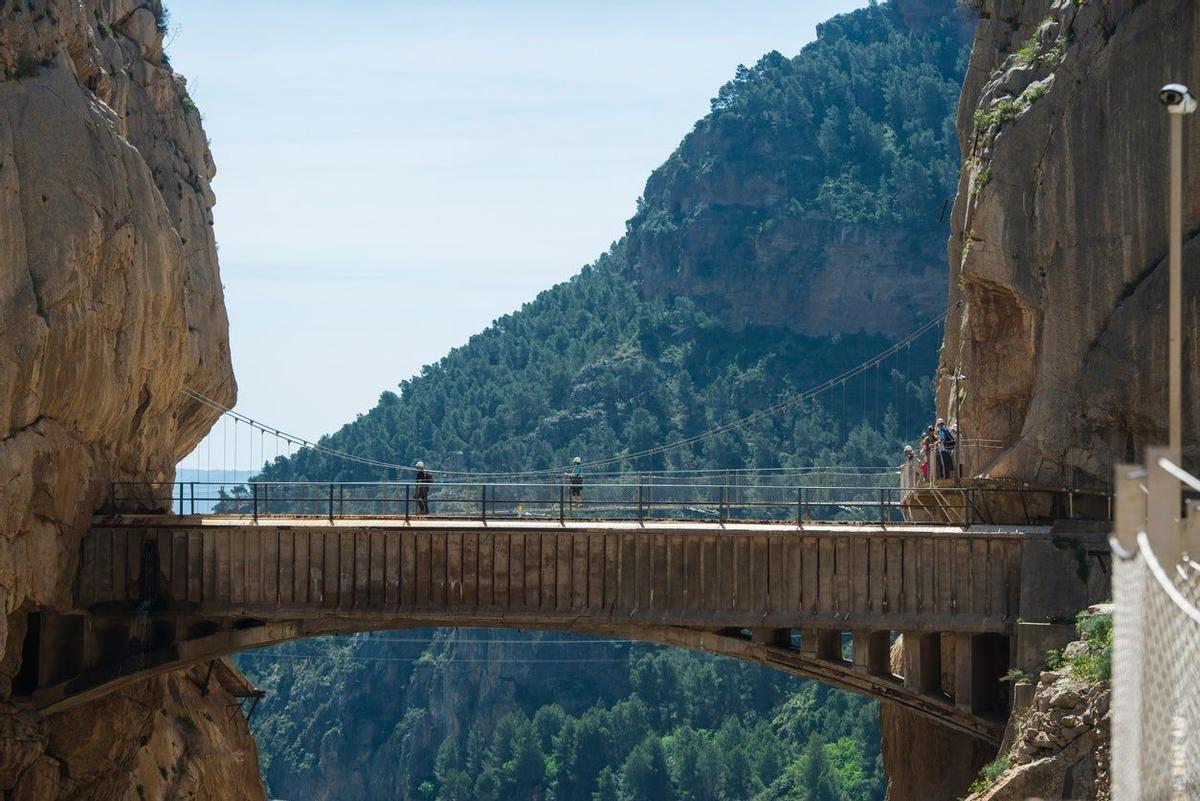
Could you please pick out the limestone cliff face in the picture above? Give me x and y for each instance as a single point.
(110, 302)
(1058, 276)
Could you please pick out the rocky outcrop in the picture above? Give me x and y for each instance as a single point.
(110, 303)
(177, 737)
(1061, 744)
(109, 292)
(1058, 276)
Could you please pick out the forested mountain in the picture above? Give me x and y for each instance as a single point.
(618, 360)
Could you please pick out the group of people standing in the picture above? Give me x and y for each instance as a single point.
(938, 445)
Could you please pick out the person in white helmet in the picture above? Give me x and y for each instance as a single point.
(909, 477)
(424, 479)
(574, 477)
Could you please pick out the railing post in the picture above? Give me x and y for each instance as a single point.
(1070, 504)
(483, 506)
(331, 503)
(266, 499)
(562, 505)
(800, 507)
(640, 514)
(181, 498)
(192, 491)
(969, 514)
(883, 506)
(254, 492)
(724, 505)
(406, 500)
(341, 500)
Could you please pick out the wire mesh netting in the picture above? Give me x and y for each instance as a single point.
(1156, 678)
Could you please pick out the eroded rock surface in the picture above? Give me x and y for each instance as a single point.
(110, 303)
(1058, 277)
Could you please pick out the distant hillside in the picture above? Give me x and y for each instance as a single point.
(811, 197)
(643, 347)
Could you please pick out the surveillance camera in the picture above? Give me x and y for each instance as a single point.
(1177, 98)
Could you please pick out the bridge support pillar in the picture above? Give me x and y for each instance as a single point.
(822, 643)
(966, 666)
(872, 651)
(781, 637)
(923, 662)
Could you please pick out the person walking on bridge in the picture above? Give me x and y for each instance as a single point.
(574, 477)
(928, 446)
(424, 479)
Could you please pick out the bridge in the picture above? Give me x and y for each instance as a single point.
(820, 599)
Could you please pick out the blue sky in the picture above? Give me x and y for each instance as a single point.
(393, 176)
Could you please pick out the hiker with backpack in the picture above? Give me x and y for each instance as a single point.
(946, 443)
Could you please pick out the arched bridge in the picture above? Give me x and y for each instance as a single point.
(825, 600)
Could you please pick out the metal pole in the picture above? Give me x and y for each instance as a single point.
(562, 505)
(640, 516)
(799, 507)
(330, 503)
(406, 493)
(483, 506)
(1176, 274)
(883, 506)
(341, 500)
(192, 491)
(254, 491)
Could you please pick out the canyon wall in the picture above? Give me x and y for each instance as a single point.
(1058, 286)
(110, 303)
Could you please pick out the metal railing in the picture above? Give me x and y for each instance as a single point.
(636, 498)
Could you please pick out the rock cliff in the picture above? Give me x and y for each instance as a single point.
(1057, 255)
(110, 302)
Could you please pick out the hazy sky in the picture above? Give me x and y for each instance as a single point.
(393, 176)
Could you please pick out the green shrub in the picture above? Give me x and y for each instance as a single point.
(989, 774)
(1095, 663)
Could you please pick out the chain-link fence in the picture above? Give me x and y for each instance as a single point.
(1156, 654)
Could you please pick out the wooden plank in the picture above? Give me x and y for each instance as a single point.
(424, 569)
(224, 567)
(611, 570)
(408, 568)
(237, 567)
(116, 544)
(595, 598)
(961, 594)
(777, 588)
(195, 567)
(391, 568)
(361, 596)
(710, 573)
(252, 546)
(549, 551)
(794, 600)
(287, 566)
(826, 601)
(88, 569)
(1012, 579)
(627, 594)
(810, 566)
(643, 575)
(673, 571)
(533, 571)
(165, 560)
(516, 570)
(487, 567)
(997, 558)
(860, 578)
(316, 568)
(270, 566)
(454, 569)
(843, 573)
(945, 580)
(658, 571)
(209, 590)
(579, 571)
(179, 565)
(562, 571)
(979, 578)
(877, 585)
(331, 568)
(929, 576)
(503, 551)
(893, 602)
(741, 574)
(300, 566)
(692, 592)
(133, 563)
(727, 573)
